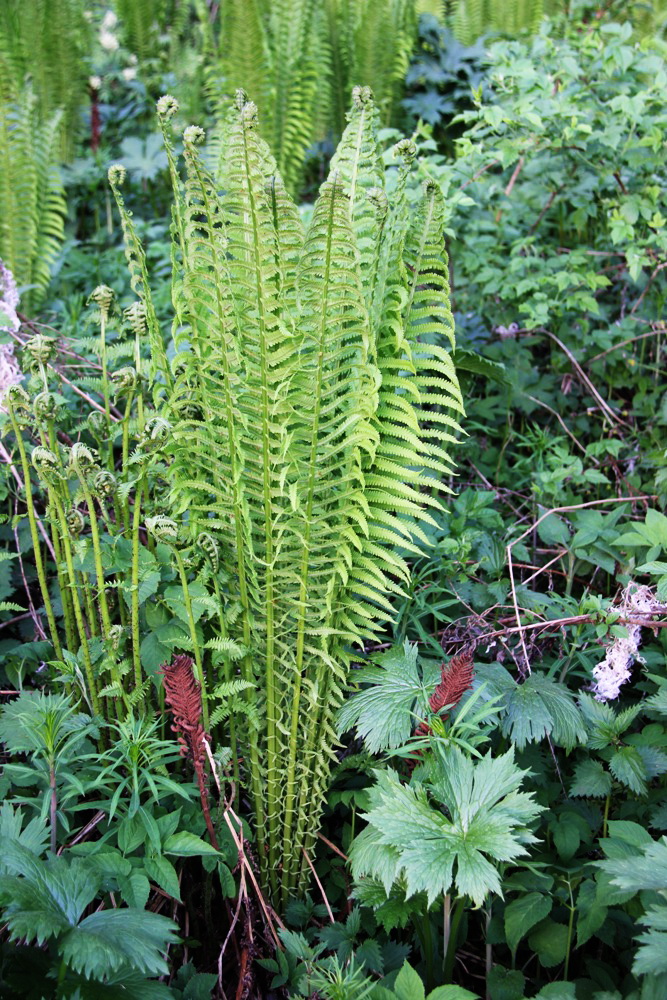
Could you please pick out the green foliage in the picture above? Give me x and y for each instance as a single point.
(300, 60)
(408, 834)
(472, 18)
(32, 206)
(46, 43)
(297, 442)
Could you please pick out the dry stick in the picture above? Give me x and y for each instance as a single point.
(513, 178)
(603, 404)
(532, 527)
(654, 275)
(624, 343)
(562, 423)
(333, 847)
(319, 885)
(238, 841)
(558, 623)
(75, 388)
(32, 612)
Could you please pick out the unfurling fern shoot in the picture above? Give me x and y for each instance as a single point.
(313, 400)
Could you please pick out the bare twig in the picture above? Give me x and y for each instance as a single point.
(319, 885)
(513, 178)
(624, 343)
(531, 528)
(560, 420)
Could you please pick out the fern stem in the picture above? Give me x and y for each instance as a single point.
(134, 589)
(272, 768)
(228, 678)
(78, 612)
(34, 534)
(292, 848)
(240, 548)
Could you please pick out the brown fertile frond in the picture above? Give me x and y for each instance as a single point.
(455, 680)
(183, 696)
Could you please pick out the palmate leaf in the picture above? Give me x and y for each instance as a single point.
(384, 713)
(541, 707)
(637, 873)
(408, 833)
(110, 939)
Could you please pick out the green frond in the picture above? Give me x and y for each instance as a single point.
(32, 202)
(312, 400)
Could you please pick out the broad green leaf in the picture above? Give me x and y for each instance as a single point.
(186, 845)
(161, 871)
(522, 914)
(549, 940)
(487, 822)
(110, 939)
(383, 712)
(590, 780)
(591, 914)
(408, 985)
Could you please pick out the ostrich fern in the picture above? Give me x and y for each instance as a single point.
(313, 399)
(46, 42)
(32, 203)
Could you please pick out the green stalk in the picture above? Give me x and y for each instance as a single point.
(570, 931)
(450, 955)
(291, 852)
(97, 555)
(228, 677)
(272, 762)
(193, 636)
(134, 590)
(78, 613)
(34, 534)
(246, 664)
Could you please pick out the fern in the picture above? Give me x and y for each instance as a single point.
(46, 42)
(473, 18)
(32, 203)
(311, 398)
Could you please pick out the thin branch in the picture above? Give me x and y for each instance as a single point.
(528, 531)
(319, 885)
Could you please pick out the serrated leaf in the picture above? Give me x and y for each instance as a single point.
(383, 712)
(522, 914)
(627, 767)
(408, 985)
(590, 780)
(110, 939)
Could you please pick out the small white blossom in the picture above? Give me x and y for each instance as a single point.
(109, 21)
(108, 41)
(129, 73)
(616, 668)
(94, 82)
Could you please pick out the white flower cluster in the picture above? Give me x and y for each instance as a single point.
(613, 672)
(10, 373)
(108, 40)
